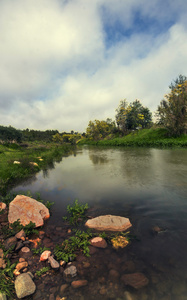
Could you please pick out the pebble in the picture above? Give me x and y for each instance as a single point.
(79, 283)
(54, 264)
(70, 271)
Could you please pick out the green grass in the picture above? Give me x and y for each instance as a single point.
(154, 137)
(44, 155)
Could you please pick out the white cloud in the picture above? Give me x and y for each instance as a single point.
(57, 73)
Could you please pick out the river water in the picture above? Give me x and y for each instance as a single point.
(147, 185)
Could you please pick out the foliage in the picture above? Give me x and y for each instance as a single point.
(15, 227)
(6, 279)
(172, 111)
(76, 212)
(42, 271)
(98, 130)
(153, 137)
(67, 250)
(39, 250)
(120, 240)
(10, 134)
(132, 116)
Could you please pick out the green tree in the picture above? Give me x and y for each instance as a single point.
(121, 115)
(131, 116)
(172, 111)
(98, 130)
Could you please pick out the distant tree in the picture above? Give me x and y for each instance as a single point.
(98, 130)
(10, 134)
(131, 116)
(121, 115)
(172, 111)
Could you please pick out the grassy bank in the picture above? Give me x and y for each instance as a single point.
(140, 138)
(30, 159)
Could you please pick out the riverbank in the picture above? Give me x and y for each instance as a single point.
(18, 162)
(153, 137)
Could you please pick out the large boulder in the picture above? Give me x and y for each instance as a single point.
(109, 223)
(27, 210)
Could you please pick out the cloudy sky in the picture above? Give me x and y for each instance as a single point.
(65, 62)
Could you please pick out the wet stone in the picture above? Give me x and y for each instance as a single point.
(136, 280)
(70, 271)
(10, 243)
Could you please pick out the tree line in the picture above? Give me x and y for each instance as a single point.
(171, 114)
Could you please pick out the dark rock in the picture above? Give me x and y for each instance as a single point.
(10, 243)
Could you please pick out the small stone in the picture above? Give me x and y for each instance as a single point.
(103, 291)
(51, 297)
(70, 271)
(21, 259)
(2, 263)
(62, 263)
(98, 242)
(24, 285)
(25, 252)
(54, 264)
(136, 280)
(1, 253)
(21, 234)
(19, 245)
(2, 206)
(113, 275)
(10, 243)
(45, 255)
(16, 272)
(21, 265)
(79, 283)
(63, 288)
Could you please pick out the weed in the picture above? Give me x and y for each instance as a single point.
(29, 229)
(6, 279)
(76, 212)
(42, 271)
(39, 250)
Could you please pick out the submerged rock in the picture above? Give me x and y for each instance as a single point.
(79, 283)
(136, 280)
(98, 242)
(27, 210)
(109, 223)
(2, 206)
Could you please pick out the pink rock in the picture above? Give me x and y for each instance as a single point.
(21, 234)
(27, 210)
(45, 255)
(21, 265)
(109, 223)
(98, 242)
(79, 283)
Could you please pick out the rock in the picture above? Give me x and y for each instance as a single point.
(128, 296)
(70, 271)
(79, 283)
(10, 243)
(20, 235)
(1, 253)
(27, 210)
(109, 223)
(19, 245)
(16, 162)
(63, 288)
(2, 206)
(24, 285)
(136, 280)
(113, 275)
(3, 296)
(54, 264)
(98, 242)
(33, 164)
(25, 252)
(45, 255)
(21, 265)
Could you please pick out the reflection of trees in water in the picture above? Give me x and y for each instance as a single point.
(45, 173)
(98, 159)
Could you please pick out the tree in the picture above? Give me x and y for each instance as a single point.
(121, 115)
(172, 111)
(131, 116)
(10, 134)
(98, 130)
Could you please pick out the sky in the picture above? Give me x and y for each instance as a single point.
(66, 62)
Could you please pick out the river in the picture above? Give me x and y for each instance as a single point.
(147, 185)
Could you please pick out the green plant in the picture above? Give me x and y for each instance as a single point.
(15, 227)
(39, 250)
(76, 212)
(6, 279)
(42, 271)
(68, 249)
